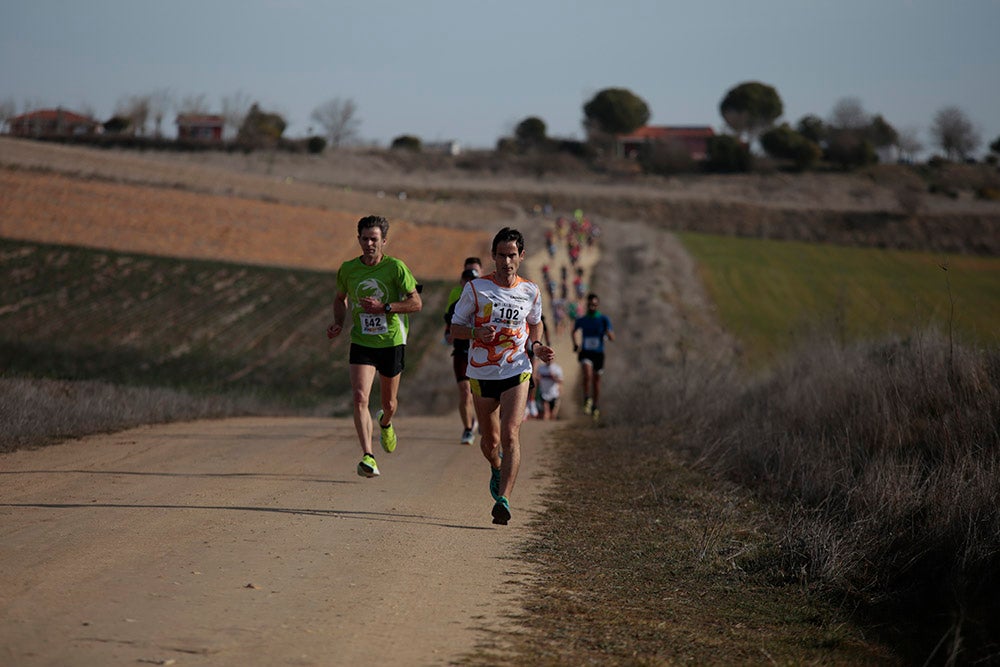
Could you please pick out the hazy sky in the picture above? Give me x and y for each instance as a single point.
(470, 70)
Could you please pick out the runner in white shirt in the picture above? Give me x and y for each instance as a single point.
(549, 379)
(502, 314)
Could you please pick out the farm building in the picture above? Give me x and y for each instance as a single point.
(52, 122)
(445, 147)
(693, 138)
(202, 127)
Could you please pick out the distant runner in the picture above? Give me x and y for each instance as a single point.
(502, 314)
(550, 379)
(594, 328)
(381, 290)
(532, 411)
(460, 354)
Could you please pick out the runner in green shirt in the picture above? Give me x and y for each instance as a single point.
(380, 291)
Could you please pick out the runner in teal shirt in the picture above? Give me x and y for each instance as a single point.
(594, 328)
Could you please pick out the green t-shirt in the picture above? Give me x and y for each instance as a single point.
(389, 280)
(454, 295)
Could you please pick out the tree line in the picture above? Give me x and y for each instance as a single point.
(850, 137)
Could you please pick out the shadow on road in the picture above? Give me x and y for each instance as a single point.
(342, 514)
(241, 475)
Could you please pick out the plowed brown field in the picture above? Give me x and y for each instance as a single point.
(52, 208)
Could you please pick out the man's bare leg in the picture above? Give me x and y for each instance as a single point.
(389, 388)
(362, 377)
(512, 404)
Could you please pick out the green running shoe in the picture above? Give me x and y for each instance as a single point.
(368, 467)
(495, 483)
(387, 436)
(501, 511)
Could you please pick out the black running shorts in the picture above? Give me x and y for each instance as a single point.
(459, 365)
(388, 361)
(493, 388)
(594, 358)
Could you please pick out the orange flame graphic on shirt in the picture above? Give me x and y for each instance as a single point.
(509, 342)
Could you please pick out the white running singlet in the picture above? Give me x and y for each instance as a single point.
(510, 310)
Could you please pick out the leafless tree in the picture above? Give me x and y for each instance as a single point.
(849, 114)
(855, 136)
(160, 103)
(87, 109)
(234, 110)
(8, 109)
(337, 118)
(196, 104)
(909, 143)
(136, 109)
(954, 133)
(33, 104)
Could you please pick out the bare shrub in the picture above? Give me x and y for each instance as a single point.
(888, 458)
(910, 200)
(39, 412)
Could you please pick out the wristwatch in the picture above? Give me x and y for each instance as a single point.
(388, 308)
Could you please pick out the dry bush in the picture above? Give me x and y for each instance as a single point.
(887, 457)
(39, 412)
(910, 200)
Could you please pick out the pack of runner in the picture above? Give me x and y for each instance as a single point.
(502, 358)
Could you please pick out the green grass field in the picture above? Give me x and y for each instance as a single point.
(770, 294)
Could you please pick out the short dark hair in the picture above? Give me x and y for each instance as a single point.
(593, 297)
(473, 260)
(506, 235)
(370, 221)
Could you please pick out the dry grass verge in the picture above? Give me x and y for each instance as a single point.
(38, 412)
(886, 457)
(648, 562)
(842, 510)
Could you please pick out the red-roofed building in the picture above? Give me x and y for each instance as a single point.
(52, 122)
(201, 127)
(693, 138)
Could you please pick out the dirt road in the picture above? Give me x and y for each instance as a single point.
(253, 541)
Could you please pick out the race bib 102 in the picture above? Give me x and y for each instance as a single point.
(507, 315)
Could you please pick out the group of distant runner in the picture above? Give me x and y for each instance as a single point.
(502, 358)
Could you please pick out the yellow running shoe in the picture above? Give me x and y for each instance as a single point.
(368, 467)
(387, 435)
